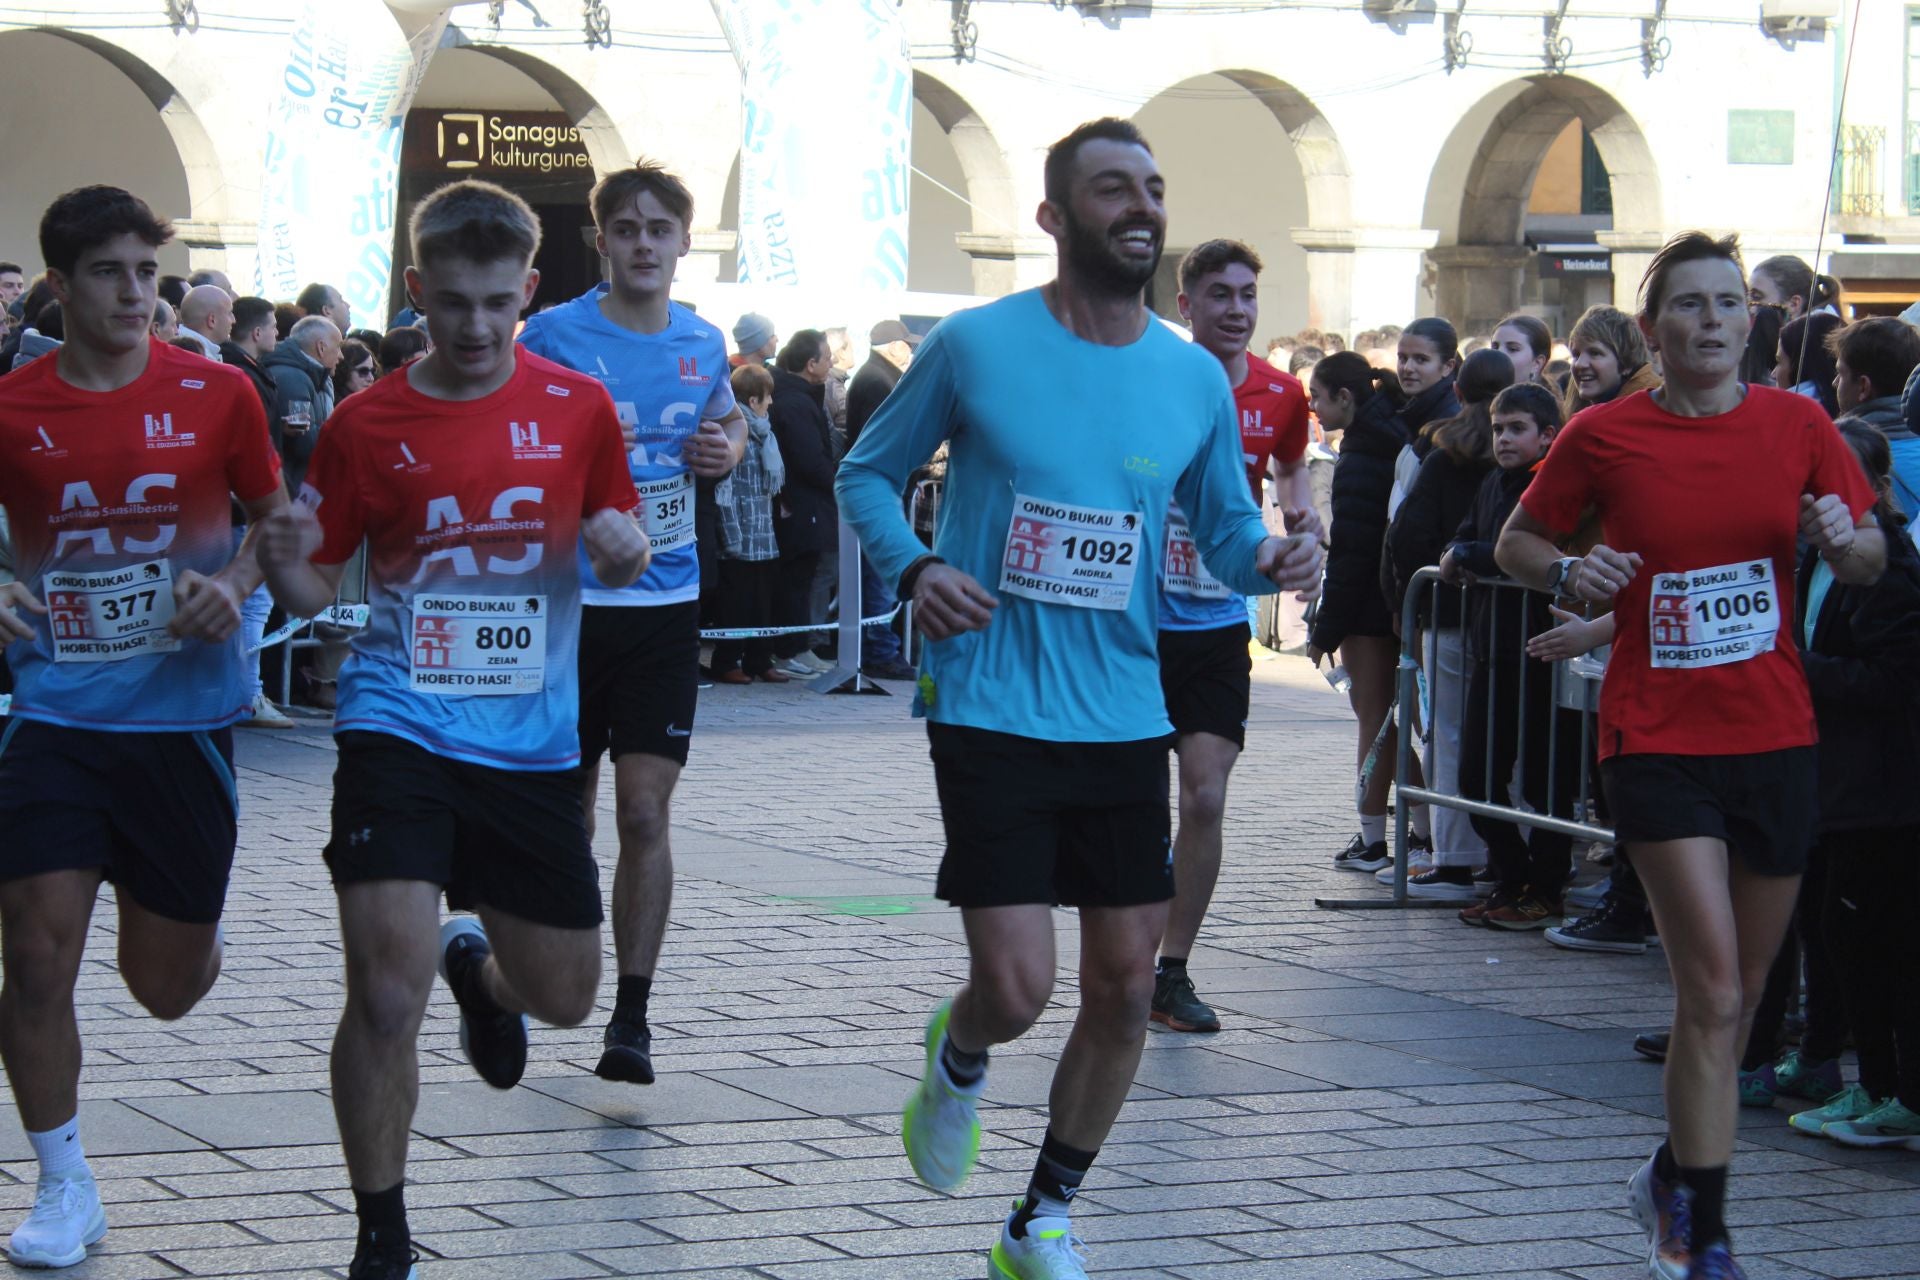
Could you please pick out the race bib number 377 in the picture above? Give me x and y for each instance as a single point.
(1078, 556)
(479, 645)
(1710, 617)
(107, 615)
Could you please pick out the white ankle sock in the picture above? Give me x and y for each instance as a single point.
(59, 1151)
(1373, 827)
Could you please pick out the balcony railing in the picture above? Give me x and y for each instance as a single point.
(1858, 188)
(1912, 159)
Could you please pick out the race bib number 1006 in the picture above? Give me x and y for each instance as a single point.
(1077, 556)
(479, 645)
(1710, 617)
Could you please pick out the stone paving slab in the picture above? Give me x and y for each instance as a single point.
(1393, 1096)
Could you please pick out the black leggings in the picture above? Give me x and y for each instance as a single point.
(1873, 880)
(1539, 860)
(1806, 941)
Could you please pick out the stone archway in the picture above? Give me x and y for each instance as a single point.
(604, 144)
(1479, 191)
(991, 237)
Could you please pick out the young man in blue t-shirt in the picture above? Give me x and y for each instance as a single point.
(666, 369)
(1048, 730)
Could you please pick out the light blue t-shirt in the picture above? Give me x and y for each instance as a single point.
(1063, 457)
(662, 385)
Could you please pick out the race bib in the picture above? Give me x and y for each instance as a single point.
(1710, 617)
(668, 504)
(1180, 563)
(1077, 556)
(109, 615)
(479, 645)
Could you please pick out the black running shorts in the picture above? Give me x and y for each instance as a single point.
(1081, 824)
(1207, 680)
(154, 812)
(511, 840)
(639, 679)
(1765, 805)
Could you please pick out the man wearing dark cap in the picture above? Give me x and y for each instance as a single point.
(754, 340)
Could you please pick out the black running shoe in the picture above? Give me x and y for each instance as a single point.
(1651, 1045)
(494, 1040)
(1609, 927)
(385, 1264)
(629, 1055)
(1177, 1007)
(1361, 856)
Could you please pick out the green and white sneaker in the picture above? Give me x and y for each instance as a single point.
(940, 1127)
(1891, 1124)
(1850, 1103)
(1050, 1251)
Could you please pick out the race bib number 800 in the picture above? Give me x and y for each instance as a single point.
(479, 645)
(1078, 556)
(1710, 617)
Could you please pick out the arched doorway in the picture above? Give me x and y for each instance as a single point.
(62, 84)
(501, 114)
(1546, 198)
(962, 225)
(1248, 157)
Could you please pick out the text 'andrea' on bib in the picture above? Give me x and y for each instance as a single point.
(1710, 617)
(479, 645)
(1079, 556)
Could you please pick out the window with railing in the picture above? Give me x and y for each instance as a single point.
(1857, 187)
(1911, 155)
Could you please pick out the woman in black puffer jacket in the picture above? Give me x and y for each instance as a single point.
(1352, 397)
(1429, 357)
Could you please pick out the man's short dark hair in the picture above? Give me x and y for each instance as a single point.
(314, 298)
(173, 290)
(248, 313)
(623, 186)
(400, 345)
(1882, 349)
(475, 220)
(802, 349)
(88, 217)
(1061, 155)
(1215, 255)
(11, 266)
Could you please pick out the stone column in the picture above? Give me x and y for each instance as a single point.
(1362, 277)
(1003, 263)
(1478, 285)
(1632, 251)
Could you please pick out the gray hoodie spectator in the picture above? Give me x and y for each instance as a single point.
(301, 368)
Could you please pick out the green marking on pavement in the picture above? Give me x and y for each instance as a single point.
(901, 905)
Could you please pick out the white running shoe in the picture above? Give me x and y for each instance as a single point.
(66, 1218)
(1050, 1251)
(940, 1127)
(266, 716)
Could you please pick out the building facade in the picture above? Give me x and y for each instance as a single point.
(1388, 158)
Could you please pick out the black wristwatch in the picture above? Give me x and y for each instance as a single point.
(1559, 571)
(912, 575)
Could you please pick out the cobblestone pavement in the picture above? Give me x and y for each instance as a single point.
(1393, 1096)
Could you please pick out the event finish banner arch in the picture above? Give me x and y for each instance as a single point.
(826, 141)
(330, 185)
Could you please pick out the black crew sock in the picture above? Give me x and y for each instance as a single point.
(963, 1068)
(1665, 1167)
(383, 1220)
(1708, 1223)
(630, 1002)
(1056, 1179)
(1170, 966)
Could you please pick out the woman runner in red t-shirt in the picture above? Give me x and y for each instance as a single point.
(1706, 726)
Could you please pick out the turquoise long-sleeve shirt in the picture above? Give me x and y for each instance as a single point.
(1063, 456)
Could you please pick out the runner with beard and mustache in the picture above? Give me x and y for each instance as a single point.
(1048, 730)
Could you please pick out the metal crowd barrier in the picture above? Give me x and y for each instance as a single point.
(1576, 688)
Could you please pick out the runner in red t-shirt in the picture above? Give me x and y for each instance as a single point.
(1205, 665)
(117, 455)
(472, 475)
(1706, 728)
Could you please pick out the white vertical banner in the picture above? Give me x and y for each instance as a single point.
(826, 141)
(330, 186)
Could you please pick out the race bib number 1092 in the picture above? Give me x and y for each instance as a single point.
(1710, 617)
(1078, 556)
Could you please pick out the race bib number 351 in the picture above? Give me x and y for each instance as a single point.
(1710, 617)
(668, 505)
(479, 645)
(1077, 556)
(107, 615)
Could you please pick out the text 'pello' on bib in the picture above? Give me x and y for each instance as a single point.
(668, 507)
(1078, 556)
(479, 645)
(109, 615)
(1710, 617)
(1180, 563)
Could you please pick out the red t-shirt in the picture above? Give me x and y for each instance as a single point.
(1704, 661)
(112, 495)
(1273, 419)
(471, 510)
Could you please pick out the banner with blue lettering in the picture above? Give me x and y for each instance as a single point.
(330, 184)
(826, 141)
